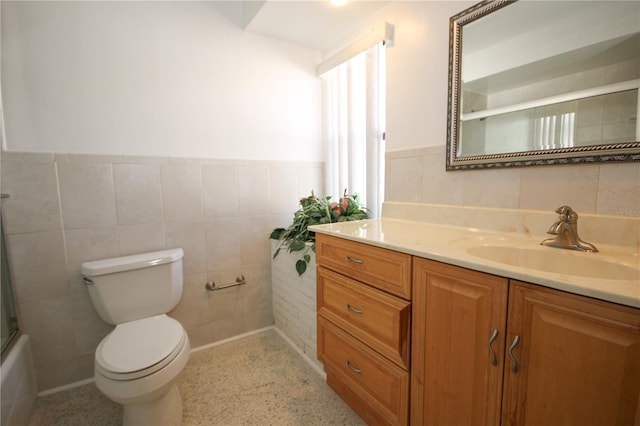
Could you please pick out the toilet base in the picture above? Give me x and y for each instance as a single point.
(163, 411)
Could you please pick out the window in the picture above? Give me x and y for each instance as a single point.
(354, 123)
(554, 131)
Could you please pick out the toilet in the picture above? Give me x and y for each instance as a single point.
(137, 364)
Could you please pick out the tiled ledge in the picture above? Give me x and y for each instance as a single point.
(25, 157)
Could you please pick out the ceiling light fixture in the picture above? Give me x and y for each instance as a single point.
(338, 3)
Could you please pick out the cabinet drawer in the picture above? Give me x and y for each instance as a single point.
(385, 269)
(376, 318)
(375, 388)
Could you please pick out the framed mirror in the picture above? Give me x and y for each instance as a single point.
(544, 82)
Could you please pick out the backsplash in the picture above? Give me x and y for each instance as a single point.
(616, 232)
(65, 209)
(418, 175)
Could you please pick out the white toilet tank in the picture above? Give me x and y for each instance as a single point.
(129, 288)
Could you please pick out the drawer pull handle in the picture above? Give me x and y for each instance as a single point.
(354, 310)
(494, 336)
(352, 368)
(514, 366)
(354, 260)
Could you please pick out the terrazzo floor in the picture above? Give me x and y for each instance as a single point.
(256, 380)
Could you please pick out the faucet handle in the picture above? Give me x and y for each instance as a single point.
(566, 231)
(567, 214)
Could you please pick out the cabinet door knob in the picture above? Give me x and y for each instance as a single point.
(354, 310)
(494, 336)
(353, 260)
(514, 362)
(352, 368)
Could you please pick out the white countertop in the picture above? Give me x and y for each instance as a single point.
(450, 244)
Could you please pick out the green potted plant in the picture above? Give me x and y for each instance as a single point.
(315, 211)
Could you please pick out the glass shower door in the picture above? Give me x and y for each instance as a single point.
(8, 317)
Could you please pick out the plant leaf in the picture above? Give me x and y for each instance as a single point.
(301, 267)
(277, 233)
(297, 245)
(307, 258)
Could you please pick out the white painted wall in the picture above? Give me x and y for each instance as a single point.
(155, 78)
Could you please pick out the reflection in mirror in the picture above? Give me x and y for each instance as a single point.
(538, 82)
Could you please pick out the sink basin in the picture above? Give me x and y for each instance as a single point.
(557, 262)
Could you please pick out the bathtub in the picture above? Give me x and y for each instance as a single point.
(18, 384)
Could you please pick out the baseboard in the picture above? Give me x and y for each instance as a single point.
(302, 354)
(66, 387)
(230, 339)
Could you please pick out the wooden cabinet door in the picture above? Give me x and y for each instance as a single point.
(578, 360)
(455, 313)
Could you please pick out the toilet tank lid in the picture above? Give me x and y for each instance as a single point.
(128, 263)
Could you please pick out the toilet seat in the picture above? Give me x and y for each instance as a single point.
(139, 348)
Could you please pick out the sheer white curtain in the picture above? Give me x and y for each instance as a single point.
(354, 113)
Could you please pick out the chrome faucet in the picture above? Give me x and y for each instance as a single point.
(566, 232)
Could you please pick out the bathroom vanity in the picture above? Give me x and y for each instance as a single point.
(490, 342)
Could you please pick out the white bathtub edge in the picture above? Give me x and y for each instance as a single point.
(17, 373)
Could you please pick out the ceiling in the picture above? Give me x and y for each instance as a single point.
(311, 23)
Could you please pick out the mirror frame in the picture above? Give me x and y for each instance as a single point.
(619, 152)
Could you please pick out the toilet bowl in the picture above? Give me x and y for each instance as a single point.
(137, 364)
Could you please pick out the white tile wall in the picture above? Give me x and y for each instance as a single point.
(138, 193)
(66, 209)
(220, 200)
(549, 187)
(495, 188)
(182, 192)
(612, 189)
(87, 194)
(37, 261)
(618, 192)
(39, 208)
